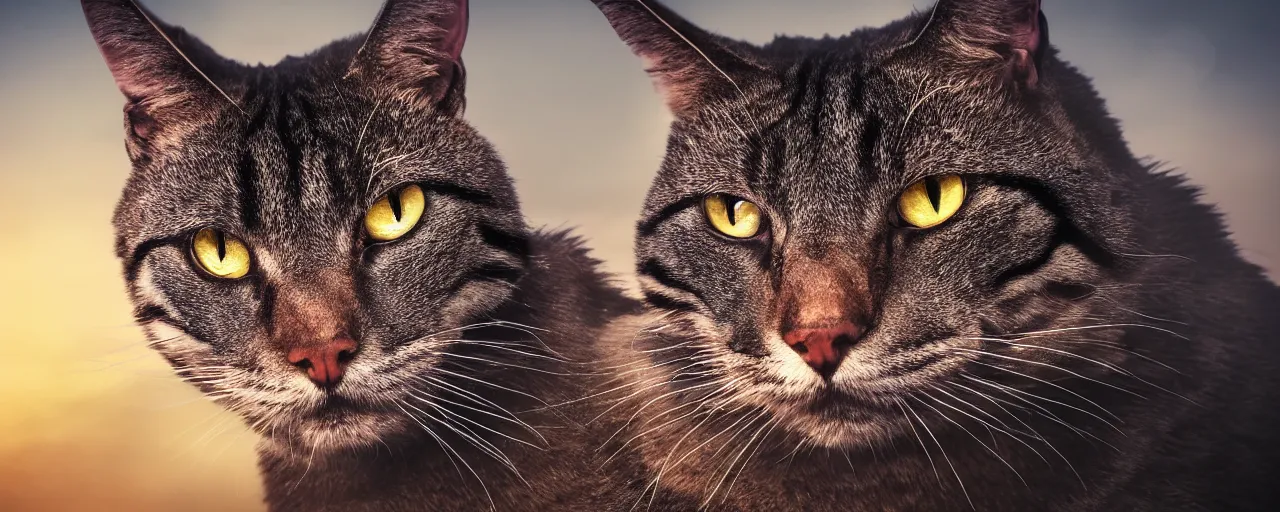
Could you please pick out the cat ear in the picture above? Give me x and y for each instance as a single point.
(414, 52)
(690, 66)
(166, 75)
(1009, 36)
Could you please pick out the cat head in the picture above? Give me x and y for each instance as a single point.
(303, 241)
(849, 225)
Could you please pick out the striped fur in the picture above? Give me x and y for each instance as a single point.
(1019, 356)
(468, 326)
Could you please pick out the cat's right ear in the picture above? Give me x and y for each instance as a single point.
(1007, 39)
(166, 75)
(414, 52)
(690, 66)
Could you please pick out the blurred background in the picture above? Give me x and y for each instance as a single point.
(90, 419)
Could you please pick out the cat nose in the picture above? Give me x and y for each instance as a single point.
(823, 347)
(325, 362)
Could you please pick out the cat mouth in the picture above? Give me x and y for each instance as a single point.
(835, 417)
(334, 406)
(340, 420)
(336, 410)
(832, 402)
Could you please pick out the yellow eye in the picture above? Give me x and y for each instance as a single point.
(220, 254)
(734, 217)
(395, 214)
(932, 201)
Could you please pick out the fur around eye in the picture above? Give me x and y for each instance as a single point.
(395, 214)
(732, 216)
(220, 254)
(931, 201)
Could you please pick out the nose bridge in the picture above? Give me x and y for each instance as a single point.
(823, 283)
(312, 309)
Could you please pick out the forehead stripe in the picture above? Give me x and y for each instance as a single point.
(288, 131)
(247, 172)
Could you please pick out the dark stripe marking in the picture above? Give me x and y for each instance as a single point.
(649, 225)
(660, 301)
(460, 192)
(292, 151)
(491, 272)
(819, 103)
(247, 173)
(134, 263)
(1065, 232)
(652, 268)
(149, 313)
(516, 244)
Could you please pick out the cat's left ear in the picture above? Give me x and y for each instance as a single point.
(1006, 37)
(414, 52)
(172, 82)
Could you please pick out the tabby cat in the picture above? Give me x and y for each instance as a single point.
(326, 248)
(916, 267)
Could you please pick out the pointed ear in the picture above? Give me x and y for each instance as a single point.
(166, 75)
(414, 52)
(1009, 37)
(690, 66)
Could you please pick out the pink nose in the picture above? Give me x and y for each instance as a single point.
(325, 362)
(823, 347)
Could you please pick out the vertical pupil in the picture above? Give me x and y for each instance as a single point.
(934, 190)
(732, 212)
(394, 199)
(222, 245)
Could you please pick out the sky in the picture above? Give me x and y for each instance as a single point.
(91, 418)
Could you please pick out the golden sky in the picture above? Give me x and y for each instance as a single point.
(90, 419)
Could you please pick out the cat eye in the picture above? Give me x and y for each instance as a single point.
(220, 254)
(931, 201)
(732, 216)
(395, 214)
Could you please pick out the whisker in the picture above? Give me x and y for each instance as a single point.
(940, 449)
(1103, 326)
(699, 403)
(490, 384)
(510, 417)
(1010, 390)
(1004, 431)
(500, 417)
(994, 401)
(1123, 349)
(450, 450)
(1099, 363)
(1059, 368)
(975, 438)
(751, 440)
(510, 365)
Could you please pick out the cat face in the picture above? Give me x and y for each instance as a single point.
(305, 242)
(849, 226)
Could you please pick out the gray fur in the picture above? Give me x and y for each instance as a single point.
(471, 327)
(1155, 390)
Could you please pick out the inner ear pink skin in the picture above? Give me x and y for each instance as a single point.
(1027, 42)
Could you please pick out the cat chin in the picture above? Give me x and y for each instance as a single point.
(830, 431)
(347, 431)
(849, 427)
